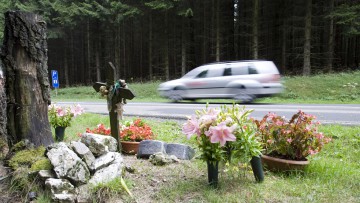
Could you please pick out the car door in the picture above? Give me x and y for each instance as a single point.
(207, 84)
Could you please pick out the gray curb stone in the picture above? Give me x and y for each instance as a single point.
(150, 147)
(181, 151)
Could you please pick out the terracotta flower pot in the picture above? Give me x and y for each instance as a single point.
(277, 164)
(130, 147)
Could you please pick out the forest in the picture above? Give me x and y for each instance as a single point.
(164, 39)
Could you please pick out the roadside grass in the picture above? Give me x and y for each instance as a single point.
(322, 88)
(332, 176)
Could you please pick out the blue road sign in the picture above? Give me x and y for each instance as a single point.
(55, 79)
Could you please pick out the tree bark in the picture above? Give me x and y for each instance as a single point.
(150, 47)
(255, 30)
(307, 44)
(183, 47)
(217, 31)
(97, 62)
(88, 53)
(330, 45)
(166, 51)
(24, 55)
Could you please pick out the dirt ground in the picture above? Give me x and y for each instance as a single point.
(149, 179)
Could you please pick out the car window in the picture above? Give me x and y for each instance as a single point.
(202, 74)
(227, 72)
(215, 72)
(239, 69)
(252, 69)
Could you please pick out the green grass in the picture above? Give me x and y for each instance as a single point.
(322, 88)
(332, 176)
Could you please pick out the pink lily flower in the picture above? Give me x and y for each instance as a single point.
(222, 133)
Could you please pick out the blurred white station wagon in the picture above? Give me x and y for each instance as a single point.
(242, 81)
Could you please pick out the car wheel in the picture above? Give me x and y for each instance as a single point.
(244, 96)
(175, 95)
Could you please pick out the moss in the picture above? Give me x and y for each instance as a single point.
(26, 157)
(41, 164)
(19, 146)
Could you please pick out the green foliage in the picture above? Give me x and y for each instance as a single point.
(161, 4)
(5, 5)
(348, 15)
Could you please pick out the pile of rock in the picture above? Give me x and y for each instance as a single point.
(79, 165)
(93, 160)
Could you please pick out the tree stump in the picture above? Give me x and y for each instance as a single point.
(24, 56)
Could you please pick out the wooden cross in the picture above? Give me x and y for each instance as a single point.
(116, 95)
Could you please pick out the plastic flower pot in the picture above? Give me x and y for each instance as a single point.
(257, 168)
(213, 173)
(59, 133)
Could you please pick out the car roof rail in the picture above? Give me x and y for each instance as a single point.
(239, 61)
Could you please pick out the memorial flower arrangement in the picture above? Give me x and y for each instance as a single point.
(61, 116)
(135, 131)
(293, 139)
(223, 133)
(100, 129)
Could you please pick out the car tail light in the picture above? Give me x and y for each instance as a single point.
(271, 78)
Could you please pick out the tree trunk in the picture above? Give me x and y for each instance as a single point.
(183, 47)
(88, 53)
(283, 47)
(204, 58)
(330, 45)
(166, 51)
(117, 52)
(307, 44)
(217, 30)
(150, 48)
(66, 68)
(24, 55)
(255, 30)
(97, 63)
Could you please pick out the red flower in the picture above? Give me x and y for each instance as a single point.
(136, 131)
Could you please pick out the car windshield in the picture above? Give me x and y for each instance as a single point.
(194, 72)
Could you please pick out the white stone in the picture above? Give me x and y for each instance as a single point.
(67, 164)
(99, 144)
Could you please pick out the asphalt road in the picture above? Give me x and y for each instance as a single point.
(343, 114)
